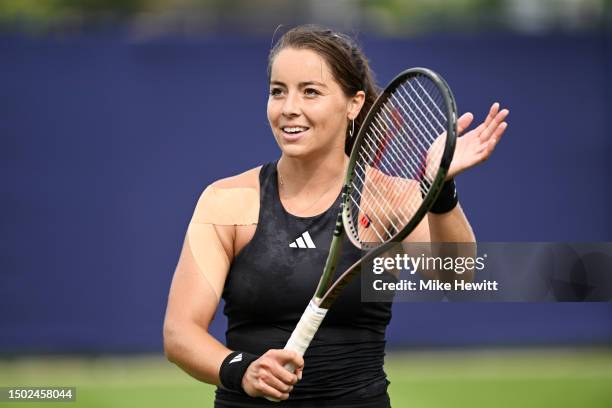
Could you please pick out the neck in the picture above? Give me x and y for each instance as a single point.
(312, 175)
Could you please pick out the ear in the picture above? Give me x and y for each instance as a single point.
(355, 104)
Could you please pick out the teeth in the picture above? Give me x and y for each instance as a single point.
(294, 129)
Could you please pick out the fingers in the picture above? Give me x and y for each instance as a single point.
(274, 382)
(493, 121)
(268, 377)
(496, 136)
(266, 390)
(298, 372)
(464, 122)
(284, 374)
(486, 128)
(490, 145)
(498, 133)
(492, 112)
(289, 357)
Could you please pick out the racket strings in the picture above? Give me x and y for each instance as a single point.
(424, 103)
(380, 235)
(413, 166)
(378, 134)
(396, 104)
(418, 125)
(389, 171)
(398, 160)
(432, 131)
(425, 129)
(400, 217)
(423, 135)
(381, 208)
(376, 189)
(410, 140)
(433, 103)
(386, 166)
(416, 169)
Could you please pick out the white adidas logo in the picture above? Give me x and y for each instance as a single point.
(236, 359)
(303, 242)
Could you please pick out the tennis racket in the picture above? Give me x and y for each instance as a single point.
(396, 169)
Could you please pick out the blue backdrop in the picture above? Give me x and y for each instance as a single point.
(107, 142)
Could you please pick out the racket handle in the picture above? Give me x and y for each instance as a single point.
(306, 328)
(303, 333)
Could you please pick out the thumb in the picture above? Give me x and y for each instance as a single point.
(464, 122)
(290, 356)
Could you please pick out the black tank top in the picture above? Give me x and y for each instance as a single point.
(269, 284)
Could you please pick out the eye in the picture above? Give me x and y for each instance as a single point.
(311, 92)
(276, 91)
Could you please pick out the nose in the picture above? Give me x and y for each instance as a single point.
(291, 105)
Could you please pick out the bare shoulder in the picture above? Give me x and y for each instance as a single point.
(247, 179)
(230, 201)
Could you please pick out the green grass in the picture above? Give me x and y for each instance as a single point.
(502, 379)
(536, 378)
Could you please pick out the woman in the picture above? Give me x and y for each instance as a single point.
(240, 245)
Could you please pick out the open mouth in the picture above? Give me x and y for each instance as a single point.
(293, 130)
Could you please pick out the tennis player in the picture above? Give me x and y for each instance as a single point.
(259, 241)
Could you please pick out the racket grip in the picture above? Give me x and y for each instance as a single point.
(303, 333)
(306, 328)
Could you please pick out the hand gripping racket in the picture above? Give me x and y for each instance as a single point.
(396, 169)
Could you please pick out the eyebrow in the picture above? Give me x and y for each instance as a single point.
(301, 84)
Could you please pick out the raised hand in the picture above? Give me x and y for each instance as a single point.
(476, 146)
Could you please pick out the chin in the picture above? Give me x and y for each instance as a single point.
(295, 151)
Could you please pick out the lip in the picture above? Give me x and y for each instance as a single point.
(293, 137)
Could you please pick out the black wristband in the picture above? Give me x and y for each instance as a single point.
(233, 368)
(447, 199)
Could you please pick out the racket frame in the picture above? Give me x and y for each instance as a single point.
(327, 292)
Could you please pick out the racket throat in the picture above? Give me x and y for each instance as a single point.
(329, 271)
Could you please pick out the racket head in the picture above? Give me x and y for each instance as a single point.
(403, 150)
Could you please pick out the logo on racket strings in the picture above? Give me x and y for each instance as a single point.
(364, 221)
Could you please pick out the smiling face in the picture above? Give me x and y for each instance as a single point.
(307, 109)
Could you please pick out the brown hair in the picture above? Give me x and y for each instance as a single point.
(345, 58)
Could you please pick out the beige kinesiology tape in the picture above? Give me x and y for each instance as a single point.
(227, 206)
(216, 208)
